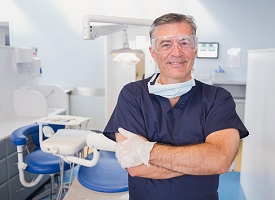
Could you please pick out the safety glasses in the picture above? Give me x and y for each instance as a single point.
(166, 44)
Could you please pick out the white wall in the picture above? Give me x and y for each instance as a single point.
(7, 81)
(55, 28)
(245, 24)
(117, 76)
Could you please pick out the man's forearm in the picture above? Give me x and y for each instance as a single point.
(182, 159)
(212, 157)
(153, 172)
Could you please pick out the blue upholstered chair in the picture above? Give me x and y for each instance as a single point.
(106, 176)
(36, 161)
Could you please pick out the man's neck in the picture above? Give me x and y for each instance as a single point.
(173, 101)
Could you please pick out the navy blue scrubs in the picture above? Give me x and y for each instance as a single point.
(198, 113)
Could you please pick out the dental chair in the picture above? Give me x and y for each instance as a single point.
(100, 176)
(36, 161)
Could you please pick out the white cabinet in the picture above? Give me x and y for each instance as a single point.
(237, 90)
(43, 101)
(258, 160)
(10, 186)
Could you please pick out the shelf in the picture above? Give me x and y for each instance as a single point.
(228, 82)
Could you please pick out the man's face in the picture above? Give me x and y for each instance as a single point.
(175, 66)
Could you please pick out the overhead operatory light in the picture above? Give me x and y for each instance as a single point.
(125, 55)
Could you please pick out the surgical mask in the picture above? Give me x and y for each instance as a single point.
(169, 90)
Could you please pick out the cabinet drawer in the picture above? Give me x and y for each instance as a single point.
(12, 166)
(17, 191)
(3, 171)
(4, 192)
(2, 149)
(10, 147)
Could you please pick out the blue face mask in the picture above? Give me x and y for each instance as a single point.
(169, 90)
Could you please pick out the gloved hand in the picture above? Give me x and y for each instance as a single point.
(133, 151)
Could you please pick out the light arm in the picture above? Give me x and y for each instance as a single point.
(89, 33)
(94, 32)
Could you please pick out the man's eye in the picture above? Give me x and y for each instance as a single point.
(165, 45)
(184, 43)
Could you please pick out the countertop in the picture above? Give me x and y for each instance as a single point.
(9, 124)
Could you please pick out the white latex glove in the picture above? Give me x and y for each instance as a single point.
(133, 151)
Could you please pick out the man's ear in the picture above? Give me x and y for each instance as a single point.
(153, 53)
(196, 52)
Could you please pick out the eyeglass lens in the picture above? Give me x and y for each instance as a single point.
(166, 44)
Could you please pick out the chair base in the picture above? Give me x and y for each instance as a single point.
(49, 191)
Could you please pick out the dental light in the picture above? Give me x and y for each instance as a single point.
(125, 55)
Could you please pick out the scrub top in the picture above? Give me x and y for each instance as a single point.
(198, 113)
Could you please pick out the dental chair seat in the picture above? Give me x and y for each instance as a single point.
(107, 176)
(36, 161)
(40, 162)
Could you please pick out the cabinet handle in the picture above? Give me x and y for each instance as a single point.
(19, 190)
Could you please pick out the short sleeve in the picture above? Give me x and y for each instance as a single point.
(222, 114)
(127, 113)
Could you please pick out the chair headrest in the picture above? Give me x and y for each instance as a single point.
(18, 137)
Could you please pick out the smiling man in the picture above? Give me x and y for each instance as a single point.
(174, 134)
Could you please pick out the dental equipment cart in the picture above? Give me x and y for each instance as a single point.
(100, 175)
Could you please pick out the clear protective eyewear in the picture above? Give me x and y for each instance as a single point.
(166, 44)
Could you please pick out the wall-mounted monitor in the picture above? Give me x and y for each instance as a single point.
(208, 50)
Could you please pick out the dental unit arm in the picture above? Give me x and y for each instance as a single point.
(66, 143)
(121, 23)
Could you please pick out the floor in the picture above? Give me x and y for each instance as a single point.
(229, 189)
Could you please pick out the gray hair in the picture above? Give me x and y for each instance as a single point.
(173, 18)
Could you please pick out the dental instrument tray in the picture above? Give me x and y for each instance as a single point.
(66, 120)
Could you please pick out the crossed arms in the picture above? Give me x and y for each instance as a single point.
(212, 157)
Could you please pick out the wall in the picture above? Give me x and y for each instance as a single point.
(7, 80)
(67, 60)
(116, 76)
(245, 24)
